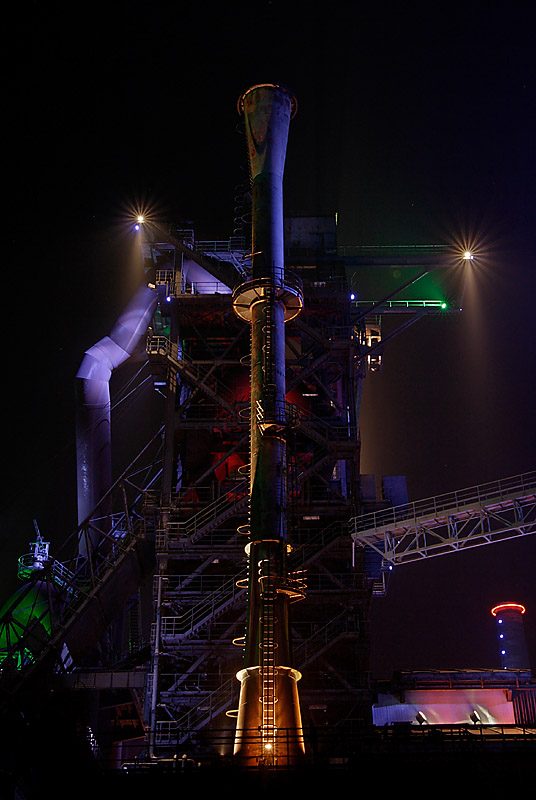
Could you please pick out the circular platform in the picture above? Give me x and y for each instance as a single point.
(289, 294)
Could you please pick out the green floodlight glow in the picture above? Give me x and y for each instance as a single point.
(27, 610)
(443, 305)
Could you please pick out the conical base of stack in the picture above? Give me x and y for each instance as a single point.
(255, 746)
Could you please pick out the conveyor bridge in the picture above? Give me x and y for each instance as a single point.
(451, 522)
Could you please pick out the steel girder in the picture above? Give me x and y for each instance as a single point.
(450, 523)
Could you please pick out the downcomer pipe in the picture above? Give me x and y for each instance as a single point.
(93, 458)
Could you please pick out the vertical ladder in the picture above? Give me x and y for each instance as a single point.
(134, 624)
(268, 666)
(268, 362)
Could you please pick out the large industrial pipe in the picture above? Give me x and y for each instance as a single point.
(269, 727)
(93, 460)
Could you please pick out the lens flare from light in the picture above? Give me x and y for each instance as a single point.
(141, 215)
(471, 245)
(137, 213)
(475, 255)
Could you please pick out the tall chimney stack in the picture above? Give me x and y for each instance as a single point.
(269, 727)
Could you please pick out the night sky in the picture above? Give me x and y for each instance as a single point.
(415, 123)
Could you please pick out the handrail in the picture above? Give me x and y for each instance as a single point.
(79, 583)
(332, 433)
(447, 502)
(203, 612)
(163, 346)
(399, 249)
(234, 244)
(195, 525)
(217, 701)
(225, 594)
(401, 303)
(205, 287)
(305, 651)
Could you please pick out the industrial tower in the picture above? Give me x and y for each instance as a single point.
(262, 446)
(241, 511)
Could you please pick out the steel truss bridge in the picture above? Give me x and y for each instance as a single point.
(451, 522)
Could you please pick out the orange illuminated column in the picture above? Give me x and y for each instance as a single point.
(511, 635)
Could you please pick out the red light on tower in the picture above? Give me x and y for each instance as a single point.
(511, 635)
(508, 607)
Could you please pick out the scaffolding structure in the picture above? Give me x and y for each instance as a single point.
(178, 514)
(182, 515)
(199, 353)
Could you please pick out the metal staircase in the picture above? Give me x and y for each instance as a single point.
(202, 614)
(85, 606)
(163, 350)
(206, 520)
(178, 631)
(78, 597)
(215, 603)
(173, 732)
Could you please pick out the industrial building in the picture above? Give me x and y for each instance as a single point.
(211, 608)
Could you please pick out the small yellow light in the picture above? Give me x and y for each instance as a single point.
(268, 746)
(141, 219)
(468, 256)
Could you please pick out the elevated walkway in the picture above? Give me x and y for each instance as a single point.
(451, 522)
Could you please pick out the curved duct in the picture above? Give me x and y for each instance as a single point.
(93, 461)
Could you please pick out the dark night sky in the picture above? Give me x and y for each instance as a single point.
(415, 123)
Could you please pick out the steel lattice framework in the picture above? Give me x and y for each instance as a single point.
(451, 522)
